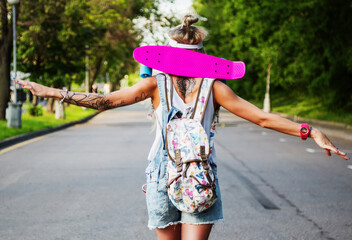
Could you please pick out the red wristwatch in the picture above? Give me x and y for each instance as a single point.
(304, 131)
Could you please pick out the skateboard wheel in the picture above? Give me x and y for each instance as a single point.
(145, 71)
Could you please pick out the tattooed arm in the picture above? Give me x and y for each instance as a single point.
(146, 88)
(226, 98)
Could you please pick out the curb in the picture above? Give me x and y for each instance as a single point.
(331, 129)
(316, 121)
(26, 136)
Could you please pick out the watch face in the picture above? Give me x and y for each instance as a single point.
(304, 130)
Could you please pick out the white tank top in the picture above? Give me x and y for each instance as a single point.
(179, 104)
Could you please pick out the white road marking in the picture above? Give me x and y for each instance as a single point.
(350, 167)
(282, 140)
(264, 133)
(310, 150)
(11, 179)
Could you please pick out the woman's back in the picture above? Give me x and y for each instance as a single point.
(184, 96)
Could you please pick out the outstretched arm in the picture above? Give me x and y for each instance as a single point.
(225, 97)
(144, 89)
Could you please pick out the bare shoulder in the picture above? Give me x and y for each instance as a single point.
(219, 84)
(223, 95)
(147, 85)
(220, 88)
(152, 81)
(149, 82)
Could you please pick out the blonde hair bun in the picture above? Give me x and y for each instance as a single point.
(189, 19)
(186, 33)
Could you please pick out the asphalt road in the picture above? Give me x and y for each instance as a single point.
(85, 183)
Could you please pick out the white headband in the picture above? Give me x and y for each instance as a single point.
(173, 43)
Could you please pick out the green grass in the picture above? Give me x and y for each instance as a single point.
(30, 123)
(308, 108)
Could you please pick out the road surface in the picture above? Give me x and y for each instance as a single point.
(85, 183)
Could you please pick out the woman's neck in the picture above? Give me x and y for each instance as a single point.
(186, 87)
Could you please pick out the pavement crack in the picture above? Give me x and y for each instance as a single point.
(256, 193)
(299, 212)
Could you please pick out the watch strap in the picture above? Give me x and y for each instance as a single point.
(304, 131)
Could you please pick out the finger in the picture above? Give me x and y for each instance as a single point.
(328, 152)
(29, 87)
(332, 149)
(23, 83)
(338, 152)
(343, 155)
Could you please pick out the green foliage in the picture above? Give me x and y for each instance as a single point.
(311, 108)
(40, 49)
(56, 35)
(35, 111)
(308, 43)
(133, 78)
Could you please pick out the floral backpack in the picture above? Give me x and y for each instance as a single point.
(190, 178)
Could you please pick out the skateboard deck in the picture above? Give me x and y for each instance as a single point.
(182, 62)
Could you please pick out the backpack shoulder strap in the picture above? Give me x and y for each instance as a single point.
(203, 98)
(164, 87)
(169, 91)
(160, 79)
(162, 83)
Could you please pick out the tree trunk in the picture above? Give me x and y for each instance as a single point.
(4, 82)
(94, 71)
(35, 100)
(50, 108)
(59, 110)
(267, 107)
(5, 59)
(114, 86)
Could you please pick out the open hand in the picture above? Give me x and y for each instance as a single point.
(322, 140)
(36, 89)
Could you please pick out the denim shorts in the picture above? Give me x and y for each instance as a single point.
(162, 213)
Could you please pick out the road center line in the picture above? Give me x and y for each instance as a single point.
(310, 150)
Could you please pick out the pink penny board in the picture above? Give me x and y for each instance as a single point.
(183, 62)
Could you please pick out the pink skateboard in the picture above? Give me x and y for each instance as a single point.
(182, 62)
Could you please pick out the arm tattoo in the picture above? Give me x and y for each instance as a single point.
(97, 101)
(91, 100)
(141, 98)
(185, 86)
